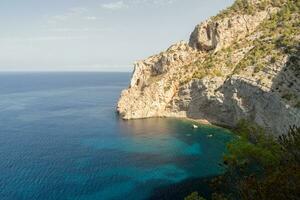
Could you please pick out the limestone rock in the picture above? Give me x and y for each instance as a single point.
(214, 35)
(200, 79)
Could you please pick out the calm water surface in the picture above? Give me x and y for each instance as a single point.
(60, 139)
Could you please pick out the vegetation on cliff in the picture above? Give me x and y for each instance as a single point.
(275, 39)
(241, 64)
(249, 7)
(258, 164)
(278, 37)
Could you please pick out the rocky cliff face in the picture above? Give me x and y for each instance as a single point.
(241, 64)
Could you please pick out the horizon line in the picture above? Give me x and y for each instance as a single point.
(62, 71)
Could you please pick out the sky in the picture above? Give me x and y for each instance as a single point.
(94, 35)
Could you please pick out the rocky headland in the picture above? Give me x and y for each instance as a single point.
(243, 63)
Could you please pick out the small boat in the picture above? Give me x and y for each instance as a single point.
(195, 126)
(210, 135)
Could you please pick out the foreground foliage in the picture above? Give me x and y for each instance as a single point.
(259, 166)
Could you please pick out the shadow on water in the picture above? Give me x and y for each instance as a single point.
(178, 191)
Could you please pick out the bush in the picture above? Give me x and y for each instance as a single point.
(194, 196)
(260, 166)
(281, 30)
(288, 96)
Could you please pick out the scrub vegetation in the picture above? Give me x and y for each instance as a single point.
(277, 39)
(259, 166)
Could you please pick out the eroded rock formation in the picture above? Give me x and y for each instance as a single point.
(221, 75)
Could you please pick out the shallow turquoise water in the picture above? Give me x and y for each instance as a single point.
(61, 139)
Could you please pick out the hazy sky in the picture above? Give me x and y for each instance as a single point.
(102, 35)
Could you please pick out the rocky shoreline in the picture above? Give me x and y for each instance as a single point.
(230, 70)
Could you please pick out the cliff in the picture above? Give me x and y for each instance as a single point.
(241, 64)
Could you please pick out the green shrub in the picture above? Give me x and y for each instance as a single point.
(258, 164)
(273, 59)
(194, 196)
(200, 74)
(281, 30)
(288, 96)
(297, 105)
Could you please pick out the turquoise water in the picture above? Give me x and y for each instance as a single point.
(61, 139)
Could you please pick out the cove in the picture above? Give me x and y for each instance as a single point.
(60, 138)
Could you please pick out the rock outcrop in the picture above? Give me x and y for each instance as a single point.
(234, 67)
(217, 34)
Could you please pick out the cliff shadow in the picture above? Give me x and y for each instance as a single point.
(275, 107)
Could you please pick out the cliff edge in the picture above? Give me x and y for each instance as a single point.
(243, 63)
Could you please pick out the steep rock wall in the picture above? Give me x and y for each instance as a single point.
(164, 85)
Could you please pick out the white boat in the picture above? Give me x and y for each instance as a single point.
(195, 126)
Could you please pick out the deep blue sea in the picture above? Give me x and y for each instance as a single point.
(61, 139)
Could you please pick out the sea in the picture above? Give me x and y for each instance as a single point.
(61, 139)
